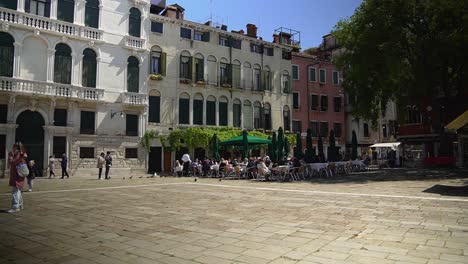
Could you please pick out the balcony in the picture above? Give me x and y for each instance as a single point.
(134, 98)
(54, 26)
(134, 43)
(414, 129)
(28, 87)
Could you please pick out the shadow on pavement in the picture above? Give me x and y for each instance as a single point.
(448, 190)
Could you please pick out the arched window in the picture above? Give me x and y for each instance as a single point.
(62, 64)
(247, 76)
(267, 116)
(223, 111)
(257, 78)
(66, 10)
(212, 77)
(198, 109)
(8, 4)
(134, 22)
(133, 75)
(285, 83)
(267, 78)
(199, 68)
(184, 109)
(247, 114)
(89, 68)
(211, 110)
(236, 113)
(224, 72)
(257, 115)
(7, 52)
(286, 118)
(92, 13)
(37, 7)
(236, 74)
(154, 107)
(158, 61)
(185, 66)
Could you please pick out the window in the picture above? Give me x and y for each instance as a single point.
(223, 112)
(7, 51)
(286, 118)
(224, 73)
(185, 33)
(267, 79)
(185, 66)
(323, 73)
(312, 74)
(86, 153)
(199, 68)
(184, 109)
(198, 35)
(3, 113)
(257, 79)
(154, 109)
(286, 83)
(324, 129)
(66, 10)
(59, 146)
(156, 27)
(223, 41)
(38, 7)
(366, 129)
(413, 115)
(267, 116)
(134, 23)
(295, 101)
(211, 111)
(257, 115)
(337, 104)
(62, 64)
(269, 51)
(198, 110)
(335, 80)
(314, 127)
(158, 61)
(286, 55)
(60, 117)
(236, 43)
(2, 146)
(133, 73)
(295, 72)
(323, 103)
(10, 5)
(131, 128)
(337, 129)
(87, 122)
(255, 48)
(236, 74)
(314, 102)
(236, 114)
(89, 68)
(131, 153)
(297, 126)
(247, 115)
(92, 13)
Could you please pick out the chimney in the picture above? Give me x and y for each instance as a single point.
(174, 11)
(276, 39)
(252, 30)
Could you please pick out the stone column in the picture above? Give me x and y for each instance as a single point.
(48, 146)
(190, 110)
(9, 141)
(52, 111)
(204, 110)
(217, 112)
(76, 59)
(53, 9)
(17, 59)
(80, 6)
(50, 65)
(70, 116)
(11, 109)
(20, 6)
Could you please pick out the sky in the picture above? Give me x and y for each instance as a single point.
(313, 18)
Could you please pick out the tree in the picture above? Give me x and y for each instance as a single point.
(320, 148)
(354, 145)
(298, 149)
(309, 155)
(332, 155)
(402, 50)
(280, 147)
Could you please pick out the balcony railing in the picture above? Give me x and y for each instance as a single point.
(414, 129)
(134, 98)
(134, 42)
(50, 89)
(44, 23)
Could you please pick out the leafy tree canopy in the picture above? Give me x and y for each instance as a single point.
(402, 50)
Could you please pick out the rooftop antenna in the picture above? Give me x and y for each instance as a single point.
(211, 11)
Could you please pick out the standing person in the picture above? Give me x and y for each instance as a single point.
(51, 166)
(100, 164)
(16, 156)
(32, 174)
(187, 161)
(64, 163)
(108, 159)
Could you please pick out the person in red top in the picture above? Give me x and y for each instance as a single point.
(16, 156)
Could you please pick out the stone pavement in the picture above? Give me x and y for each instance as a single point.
(177, 220)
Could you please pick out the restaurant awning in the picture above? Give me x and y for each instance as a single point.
(386, 145)
(457, 123)
(237, 141)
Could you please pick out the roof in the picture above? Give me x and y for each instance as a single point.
(459, 122)
(386, 145)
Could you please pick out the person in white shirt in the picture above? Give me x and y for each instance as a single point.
(186, 159)
(178, 168)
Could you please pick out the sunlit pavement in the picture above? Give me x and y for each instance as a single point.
(178, 220)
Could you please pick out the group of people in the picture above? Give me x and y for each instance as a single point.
(104, 161)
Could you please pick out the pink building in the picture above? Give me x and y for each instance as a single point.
(318, 99)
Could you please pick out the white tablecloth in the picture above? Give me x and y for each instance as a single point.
(317, 166)
(214, 167)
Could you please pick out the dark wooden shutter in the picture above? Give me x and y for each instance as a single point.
(223, 114)
(27, 6)
(184, 111)
(131, 125)
(198, 112)
(206, 36)
(154, 109)
(47, 8)
(229, 73)
(199, 70)
(162, 64)
(211, 113)
(190, 68)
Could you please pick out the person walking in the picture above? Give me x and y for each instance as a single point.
(108, 159)
(51, 166)
(32, 174)
(100, 164)
(64, 163)
(16, 157)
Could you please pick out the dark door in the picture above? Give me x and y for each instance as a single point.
(31, 133)
(155, 158)
(167, 161)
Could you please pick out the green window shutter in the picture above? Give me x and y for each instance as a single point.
(199, 75)
(184, 111)
(92, 13)
(236, 76)
(263, 80)
(229, 73)
(191, 72)
(223, 114)
(131, 125)
(197, 112)
(206, 37)
(219, 73)
(181, 66)
(154, 109)
(211, 113)
(162, 64)
(65, 10)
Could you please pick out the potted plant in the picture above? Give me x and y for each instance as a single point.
(185, 81)
(226, 85)
(155, 77)
(201, 82)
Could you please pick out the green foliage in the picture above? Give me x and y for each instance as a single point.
(402, 50)
(354, 145)
(147, 138)
(332, 155)
(298, 149)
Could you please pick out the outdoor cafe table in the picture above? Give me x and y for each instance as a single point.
(282, 170)
(316, 167)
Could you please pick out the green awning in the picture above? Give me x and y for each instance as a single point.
(237, 141)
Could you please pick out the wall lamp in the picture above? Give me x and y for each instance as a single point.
(114, 113)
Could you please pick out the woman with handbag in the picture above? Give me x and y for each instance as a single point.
(18, 170)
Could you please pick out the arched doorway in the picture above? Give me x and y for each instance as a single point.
(31, 133)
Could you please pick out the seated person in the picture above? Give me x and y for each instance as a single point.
(206, 165)
(178, 168)
(222, 164)
(263, 169)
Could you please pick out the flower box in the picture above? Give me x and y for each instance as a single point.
(156, 77)
(201, 82)
(226, 85)
(185, 81)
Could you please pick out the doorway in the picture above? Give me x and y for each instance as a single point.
(155, 158)
(30, 132)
